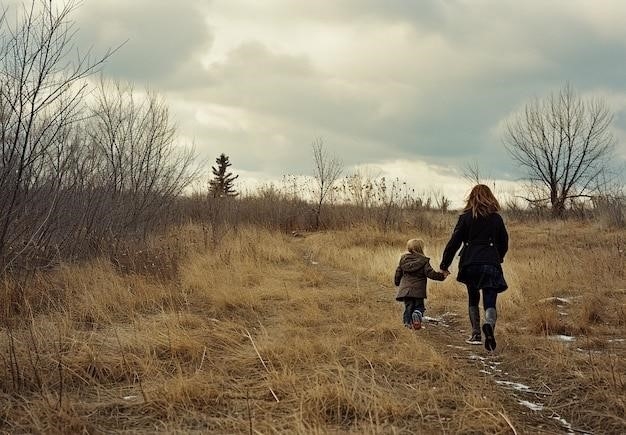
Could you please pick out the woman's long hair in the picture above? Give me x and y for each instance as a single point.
(481, 201)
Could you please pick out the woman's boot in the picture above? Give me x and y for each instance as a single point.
(474, 316)
(491, 315)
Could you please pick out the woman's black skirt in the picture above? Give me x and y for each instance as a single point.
(483, 276)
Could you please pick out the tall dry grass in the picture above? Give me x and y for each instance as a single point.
(582, 265)
(266, 333)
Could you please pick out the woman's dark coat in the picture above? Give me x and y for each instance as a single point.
(412, 275)
(484, 239)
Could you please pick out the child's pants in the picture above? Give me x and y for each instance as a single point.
(410, 305)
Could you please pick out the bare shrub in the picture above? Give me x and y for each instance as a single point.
(610, 209)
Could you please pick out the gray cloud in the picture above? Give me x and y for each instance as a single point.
(160, 37)
(380, 81)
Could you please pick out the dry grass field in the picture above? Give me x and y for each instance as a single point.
(269, 333)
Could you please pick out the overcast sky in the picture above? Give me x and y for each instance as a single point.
(413, 88)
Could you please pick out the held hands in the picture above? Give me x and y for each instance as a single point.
(446, 273)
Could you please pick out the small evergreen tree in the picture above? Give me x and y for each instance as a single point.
(222, 183)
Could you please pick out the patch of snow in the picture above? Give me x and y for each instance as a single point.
(559, 337)
(484, 371)
(515, 385)
(566, 424)
(456, 347)
(616, 340)
(435, 320)
(562, 313)
(536, 406)
(580, 349)
(557, 300)
(314, 262)
(487, 363)
(531, 405)
(477, 357)
(129, 397)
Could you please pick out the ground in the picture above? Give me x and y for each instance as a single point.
(268, 333)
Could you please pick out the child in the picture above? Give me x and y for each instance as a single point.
(411, 276)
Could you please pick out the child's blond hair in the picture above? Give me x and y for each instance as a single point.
(415, 245)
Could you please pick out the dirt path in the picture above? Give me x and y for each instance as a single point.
(522, 395)
(527, 397)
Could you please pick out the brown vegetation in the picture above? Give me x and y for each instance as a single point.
(265, 332)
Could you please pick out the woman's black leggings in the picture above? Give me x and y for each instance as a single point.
(489, 297)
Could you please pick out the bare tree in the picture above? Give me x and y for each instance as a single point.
(42, 88)
(71, 173)
(472, 172)
(437, 197)
(139, 166)
(326, 171)
(564, 141)
(359, 188)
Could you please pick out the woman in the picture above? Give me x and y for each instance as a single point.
(485, 241)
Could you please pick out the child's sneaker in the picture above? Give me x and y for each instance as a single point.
(417, 320)
(475, 339)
